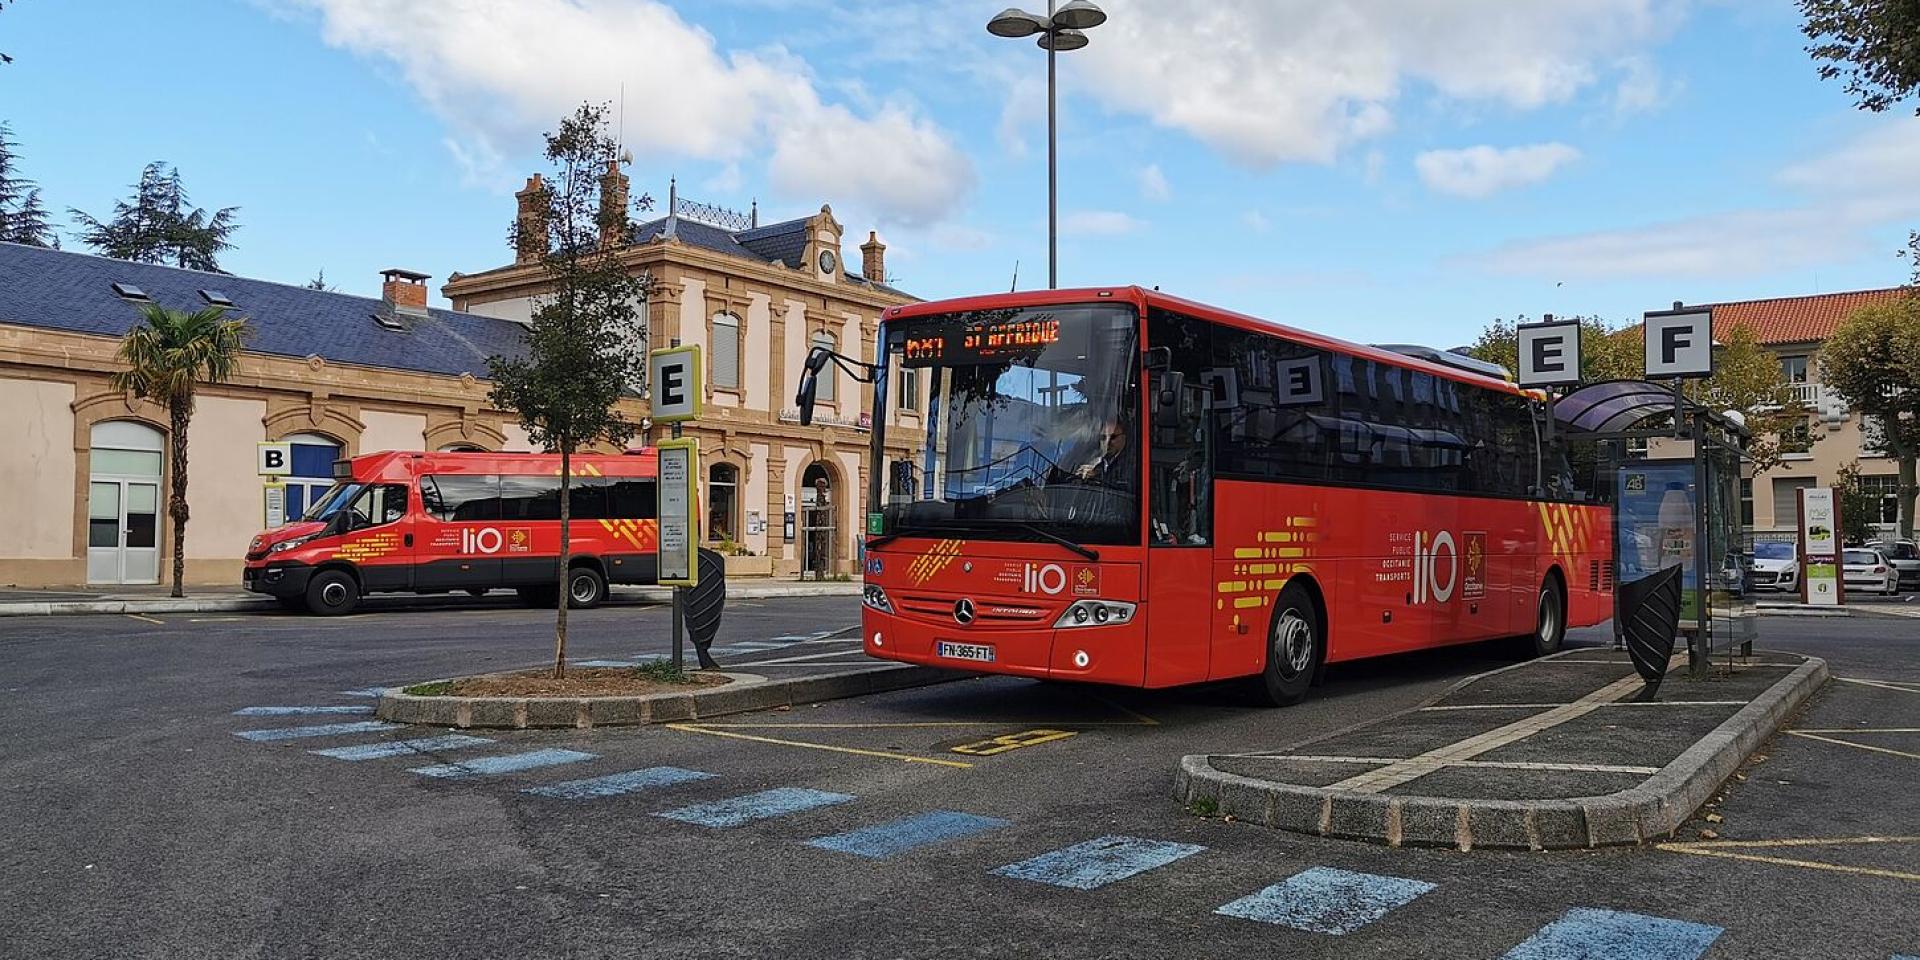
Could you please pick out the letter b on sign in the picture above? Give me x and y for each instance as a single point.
(275, 459)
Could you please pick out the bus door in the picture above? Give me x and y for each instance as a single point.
(458, 540)
(379, 538)
(1179, 580)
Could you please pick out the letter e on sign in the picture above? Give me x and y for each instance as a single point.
(673, 376)
(1297, 382)
(1679, 344)
(1549, 354)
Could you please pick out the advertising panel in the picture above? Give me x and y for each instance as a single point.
(1656, 524)
(1820, 546)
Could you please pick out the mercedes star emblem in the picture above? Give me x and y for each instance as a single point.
(963, 611)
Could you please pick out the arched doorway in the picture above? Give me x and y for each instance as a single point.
(125, 463)
(819, 515)
(313, 457)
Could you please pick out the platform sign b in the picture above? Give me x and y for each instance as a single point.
(275, 459)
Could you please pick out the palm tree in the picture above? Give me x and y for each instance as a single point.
(168, 354)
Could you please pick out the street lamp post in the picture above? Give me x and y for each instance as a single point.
(1062, 29)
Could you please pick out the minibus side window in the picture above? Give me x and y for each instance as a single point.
(461, 498)
(632, 500)
(377, 505)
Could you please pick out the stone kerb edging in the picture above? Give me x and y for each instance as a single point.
(747, 692)
(1651, 810)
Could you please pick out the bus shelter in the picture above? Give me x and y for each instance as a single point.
(1675, 467)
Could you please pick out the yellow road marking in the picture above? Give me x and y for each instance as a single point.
(882, 754)
(1856, 746)
(1011, 741)
(1860, 730)
(1141, 718)
(1721, 848)
(147, 619)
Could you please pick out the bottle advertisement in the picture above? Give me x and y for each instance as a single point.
(1655, 514)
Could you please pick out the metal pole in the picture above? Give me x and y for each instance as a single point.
(679, 599)
(1053, 168)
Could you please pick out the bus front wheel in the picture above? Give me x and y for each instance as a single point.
(333, 593)
(1549, 621)
(1296, 647)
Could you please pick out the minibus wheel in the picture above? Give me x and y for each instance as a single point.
(586, 588)
(1296, 648)
(333, 593)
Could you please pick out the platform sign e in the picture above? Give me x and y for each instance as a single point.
(673, 376)
(1549, 354)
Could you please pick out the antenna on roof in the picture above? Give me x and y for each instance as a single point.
(1016, 277)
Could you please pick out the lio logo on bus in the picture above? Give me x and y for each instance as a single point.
(491, 540)
(1431, 554)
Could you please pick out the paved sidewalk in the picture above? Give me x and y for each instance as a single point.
(1565, 751)
(57, 601)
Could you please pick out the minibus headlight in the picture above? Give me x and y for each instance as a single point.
(1095, 613)
(874, 597)
(288, 544)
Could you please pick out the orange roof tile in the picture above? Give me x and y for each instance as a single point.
(1796, 319)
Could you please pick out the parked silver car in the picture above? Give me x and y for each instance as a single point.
(1905, 557)
(1866, 569)
(1776, 566)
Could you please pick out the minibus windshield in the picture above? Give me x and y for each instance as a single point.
(330, 502)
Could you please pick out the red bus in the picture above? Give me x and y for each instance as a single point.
(1121, 486)
(438, 522)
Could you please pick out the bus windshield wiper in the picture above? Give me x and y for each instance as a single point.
(1043, 532)
(949, 528)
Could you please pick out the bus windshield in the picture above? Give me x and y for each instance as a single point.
(330, 502)
(1031, 428)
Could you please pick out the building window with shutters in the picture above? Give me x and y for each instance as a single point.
(725, 366)
(830, 374)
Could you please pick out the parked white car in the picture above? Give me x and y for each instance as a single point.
(1776, 566)
(1905, 557)
(1864, 569)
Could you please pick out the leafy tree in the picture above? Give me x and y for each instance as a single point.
(1747, 378)
(1605, 353)
(167, 355)
(1873, 363)
(1858, 506)
(580, 355)
(22, 218)
(159, 225)
(1874, 44)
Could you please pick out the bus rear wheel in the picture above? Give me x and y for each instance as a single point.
(1549, 621)
(1296, 648)
(586, 588)
(333, 593)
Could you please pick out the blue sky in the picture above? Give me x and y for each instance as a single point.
(1384, 170)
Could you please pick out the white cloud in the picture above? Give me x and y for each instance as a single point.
(499, 73)
(1256, 221)
(1099, 223)
(1641, 88)
(1153, 184)
(1273, 81)
(1483, 171)
(1849, 192)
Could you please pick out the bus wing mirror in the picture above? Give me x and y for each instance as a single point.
(817, 358)
(1171, 386)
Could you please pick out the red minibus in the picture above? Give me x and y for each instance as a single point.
(1121, 486)
(438, 522)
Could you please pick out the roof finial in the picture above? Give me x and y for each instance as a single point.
(755, 213)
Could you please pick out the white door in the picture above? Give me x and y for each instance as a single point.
(123, 531)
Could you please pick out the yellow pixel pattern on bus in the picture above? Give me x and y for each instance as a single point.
(1261, 571)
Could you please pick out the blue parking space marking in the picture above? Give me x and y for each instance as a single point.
(764, 805)
(507, 763)
(1096, 863)
(323, 730)
(401, 748)
(1587, 934)
(899, 836)
(373, 692)
(1326, 900)
(300, 711)
(615, 784)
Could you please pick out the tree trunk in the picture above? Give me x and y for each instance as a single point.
(1906, 494)
(566, 542)
(179, 412)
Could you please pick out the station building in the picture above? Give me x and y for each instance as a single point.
(84, 470)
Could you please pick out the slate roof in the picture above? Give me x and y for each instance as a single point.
(784, 243)
(60, 290)
(1796, 319)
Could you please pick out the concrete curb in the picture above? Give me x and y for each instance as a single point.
(379, 603)
(748, 692)
(1802, 612)
(1652, 810)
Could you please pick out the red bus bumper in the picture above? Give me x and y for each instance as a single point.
(1110, 653)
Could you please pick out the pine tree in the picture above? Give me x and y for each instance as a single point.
(158, 224)
(22, 218)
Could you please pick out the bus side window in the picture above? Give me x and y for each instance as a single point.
(1179, 399)
(632, 500)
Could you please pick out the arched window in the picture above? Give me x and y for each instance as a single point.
(830, 374)
(123, 502)
(723, 502)
(313, 457)
(726, 351)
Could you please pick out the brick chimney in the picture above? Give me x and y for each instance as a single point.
(873, 258)
(530, 226)
(613, 206)
(405, 293)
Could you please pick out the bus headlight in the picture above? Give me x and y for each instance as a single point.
(1095, 613)
(874, 597)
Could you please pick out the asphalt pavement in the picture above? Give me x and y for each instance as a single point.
(989, 817)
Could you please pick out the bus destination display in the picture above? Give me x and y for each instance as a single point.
(981, 341)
